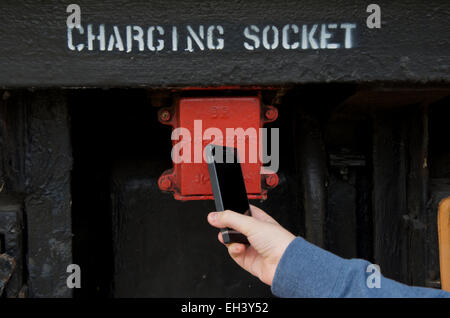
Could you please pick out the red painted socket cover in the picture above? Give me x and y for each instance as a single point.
(190, 180)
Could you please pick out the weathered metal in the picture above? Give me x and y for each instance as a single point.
(238, 120)
(7, 267)
(12, 243)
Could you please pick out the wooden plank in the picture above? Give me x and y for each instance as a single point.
(401, 193)
(341, 236)
(11, 231)
(313, 174)
(390, 195)
(418, 192)
(444, 242)
(36, 156)
(35, 50)
(440, 189)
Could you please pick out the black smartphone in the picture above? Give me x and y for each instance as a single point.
(228, 186)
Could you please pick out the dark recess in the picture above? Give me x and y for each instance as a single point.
(362, 170)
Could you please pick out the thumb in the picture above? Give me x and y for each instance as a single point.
(237, 221)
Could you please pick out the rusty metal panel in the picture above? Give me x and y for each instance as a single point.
(189, 179)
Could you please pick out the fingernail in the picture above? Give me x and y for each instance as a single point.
(213, 216)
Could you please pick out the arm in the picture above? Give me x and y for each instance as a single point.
(306, 270)
(296, 268)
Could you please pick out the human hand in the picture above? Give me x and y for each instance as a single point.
(268, 241)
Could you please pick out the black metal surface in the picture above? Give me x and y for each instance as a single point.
(11, 232)
(35, 166)
(411, 46)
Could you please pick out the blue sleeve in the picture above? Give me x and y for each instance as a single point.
(306, 270)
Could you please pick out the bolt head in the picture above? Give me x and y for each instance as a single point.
(165, 115)
(271, 114)
(272, 180)
(165, 183)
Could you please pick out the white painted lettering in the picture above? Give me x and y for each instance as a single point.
(210, 37)
(151, 38)
(198, 38)
(115, 40)
(285, 41)
(332, 45)
(308, 37)
(92, 37)
(139, 37)
(348, 34)
(213, 37)
(174, 39)
(252, 37)
(70, 44)
(274, 44)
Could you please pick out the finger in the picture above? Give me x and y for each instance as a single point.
(219, 236)
(261, 215)
(245, 259)
(236, 249)
(239, 222)
(239, 258)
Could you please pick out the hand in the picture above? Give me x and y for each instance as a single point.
(268, 241)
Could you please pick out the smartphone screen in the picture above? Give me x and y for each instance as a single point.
(228, 186)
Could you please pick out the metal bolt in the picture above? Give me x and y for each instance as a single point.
(271, 114)
(272, 180)
(165, 115)
(165, 183)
